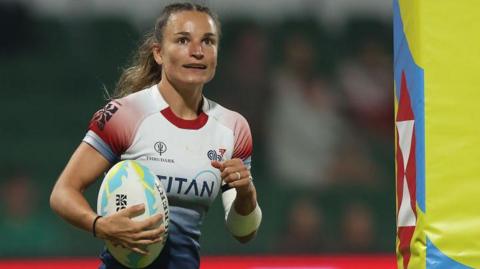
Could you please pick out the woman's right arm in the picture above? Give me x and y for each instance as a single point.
(67, 200)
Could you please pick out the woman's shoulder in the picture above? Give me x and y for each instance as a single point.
(141, 96)
(140, 101)
(214, 109)
(132, 108)
(223, 115)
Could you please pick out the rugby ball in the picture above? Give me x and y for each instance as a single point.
(126, 184)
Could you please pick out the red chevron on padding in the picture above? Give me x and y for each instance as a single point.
(404, 105)
(405, 235)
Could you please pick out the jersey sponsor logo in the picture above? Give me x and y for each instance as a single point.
(104, 115)
(200, 186)
(163, 160)
(160, 147)
(214, 156)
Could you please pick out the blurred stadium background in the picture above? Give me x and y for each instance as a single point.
(313, 78)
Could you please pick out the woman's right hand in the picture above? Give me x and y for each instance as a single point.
(121, 230)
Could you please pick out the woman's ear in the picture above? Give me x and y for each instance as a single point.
(156, 50)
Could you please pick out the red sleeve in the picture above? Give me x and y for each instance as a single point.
(243, 145)
(113, 125)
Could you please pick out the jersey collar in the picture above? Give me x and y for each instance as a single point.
(167, 112)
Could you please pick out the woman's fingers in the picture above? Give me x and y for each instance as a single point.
(218, 165)
(139, 250)
(234, 173)
(150, 234)
(239, 183)
(237, 176)
(132, 211)
(151, 222)
(232, 170)
(126, 231)
(135, 247)
(146, 242)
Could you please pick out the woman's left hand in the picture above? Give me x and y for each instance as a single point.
(236, 175)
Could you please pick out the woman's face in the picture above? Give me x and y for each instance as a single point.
(188, 53)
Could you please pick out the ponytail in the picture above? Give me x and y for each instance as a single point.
(143, 73)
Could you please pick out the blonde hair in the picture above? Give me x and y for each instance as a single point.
(144, 70)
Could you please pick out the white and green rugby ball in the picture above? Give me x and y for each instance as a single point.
(126, 184)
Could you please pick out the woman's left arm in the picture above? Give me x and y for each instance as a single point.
(243, 220)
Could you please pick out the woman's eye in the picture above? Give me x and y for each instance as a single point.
(208, 41)
(182, 40)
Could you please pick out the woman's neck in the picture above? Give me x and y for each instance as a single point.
(184, 102)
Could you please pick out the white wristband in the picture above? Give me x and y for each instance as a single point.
(240, 225)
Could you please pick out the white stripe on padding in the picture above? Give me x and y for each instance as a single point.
(406, 217)
(405, 134)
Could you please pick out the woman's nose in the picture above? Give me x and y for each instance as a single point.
(196, 51)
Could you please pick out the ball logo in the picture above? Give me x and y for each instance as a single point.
(121, 201)
(160, 147)
(163, 197)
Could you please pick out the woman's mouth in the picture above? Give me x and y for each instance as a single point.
(195, 66)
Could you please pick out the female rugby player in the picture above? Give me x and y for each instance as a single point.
(161, 118)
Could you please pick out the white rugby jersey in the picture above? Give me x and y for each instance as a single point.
(142, 127)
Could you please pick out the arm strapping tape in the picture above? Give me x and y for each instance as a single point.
(237, 224)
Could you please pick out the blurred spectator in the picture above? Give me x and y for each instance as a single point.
(366, 78)
(304, 126)
(243, 71)
(25, 231)
(357, 229)
(354, 166)
(305, 229)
